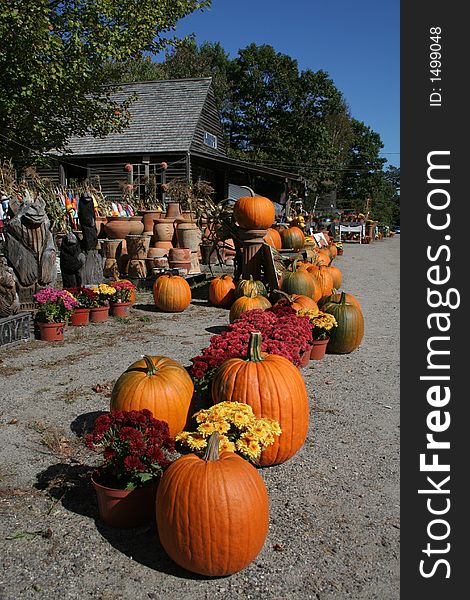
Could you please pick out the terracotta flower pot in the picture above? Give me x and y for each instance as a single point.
(80, 317)
(318, 349)
(163, 230)
(125, 508)
(165, 245)
(304, 358)
(148, 217)
(188, 235)
(51, 332)
(99, 314)
(119, 309)
(179, 255)
(117, 228)
(173, 211)
(137, 246)
(137, 226)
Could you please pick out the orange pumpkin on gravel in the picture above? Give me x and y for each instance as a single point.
(171, 293)
(159, 384)
(222, 291)
(212, 512)
(245, 303)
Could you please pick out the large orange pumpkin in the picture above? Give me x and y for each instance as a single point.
(324, 280)
(171, 293)
(254, 212)
(222, 291)
(245, 303)
(212, 513)
(159, 384)
(300, 282)
(298, 301)
(348, 335)
(273, 238)
(292, 237)
(274, 388)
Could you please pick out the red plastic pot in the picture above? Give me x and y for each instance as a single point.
(80, 317)
(51, 332)
(119, 309)
(99, 314)
(318, 349)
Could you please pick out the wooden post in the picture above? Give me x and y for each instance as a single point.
(253, 253)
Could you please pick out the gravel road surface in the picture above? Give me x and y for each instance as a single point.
(334, 507)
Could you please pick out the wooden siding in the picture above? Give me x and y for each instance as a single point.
(209, 121)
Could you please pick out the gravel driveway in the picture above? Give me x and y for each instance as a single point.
(334, 507)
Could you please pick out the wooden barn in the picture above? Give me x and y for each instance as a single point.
(174, 122)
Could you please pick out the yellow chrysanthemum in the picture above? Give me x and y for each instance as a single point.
(182, 436)
(225, 445)
(196, 442)
(249, 448)
(241, 419)
(222, 426)
(205, 429)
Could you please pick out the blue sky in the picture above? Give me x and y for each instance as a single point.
(355, 41)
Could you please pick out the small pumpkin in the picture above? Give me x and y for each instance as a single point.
(273, 238)
(292, 237)
(212, 512)
(347, 336)
(222, 291)
(333, 250)
(245, 303)
(323, 257)
(246, 286)
(171, 293)
(298, 301)
(300, 282)
(159, 384)
(254, 212)
(274, 388)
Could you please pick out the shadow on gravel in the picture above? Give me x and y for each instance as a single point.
(216, 329)
(70, 485)
(83, 424)
(142, 545)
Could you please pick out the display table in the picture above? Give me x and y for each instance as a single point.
(352, 229)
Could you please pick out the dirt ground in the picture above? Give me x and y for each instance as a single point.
(334, 507)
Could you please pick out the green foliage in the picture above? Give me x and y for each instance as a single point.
(52, 66)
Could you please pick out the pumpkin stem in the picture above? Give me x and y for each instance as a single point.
(254, 291)
(254, 347)
(294, 266)
(212, 450)
(342, 300)
(151, 369)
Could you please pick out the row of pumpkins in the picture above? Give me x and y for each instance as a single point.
(213, 512)
(306, 286)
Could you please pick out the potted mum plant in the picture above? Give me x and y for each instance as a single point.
(322, 324)
(120, 302)
(136, 449)
(86, 299)
(54, 308)
(239, 430)
(100, 311)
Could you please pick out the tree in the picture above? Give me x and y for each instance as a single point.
(363, 171)
(52, 66)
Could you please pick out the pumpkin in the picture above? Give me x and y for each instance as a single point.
(333, 250)
(324, 280)
(212, 512)
(297, 301)
(300, 282)
(254, 212)
(159, 384)
(222, 291)
(171, 293)
(246, 286)
(348, 335)
(293, 237)
(273, 238)
(336, 275)
(245, 303)
(274, 388)
(350, 299)
(323, 257)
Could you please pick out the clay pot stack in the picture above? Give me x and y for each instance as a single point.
(137, 249)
